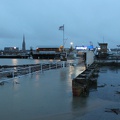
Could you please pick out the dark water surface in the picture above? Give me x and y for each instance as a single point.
(48, 96)
(22, 61)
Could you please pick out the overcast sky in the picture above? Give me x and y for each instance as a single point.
(85, 21)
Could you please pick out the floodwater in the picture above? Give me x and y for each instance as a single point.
(48, 96)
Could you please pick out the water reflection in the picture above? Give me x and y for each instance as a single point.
(79, 103)
(14, 61)
(37, 76)
(36, 61)
(15, 83)
(18, 61)
(63, 74)
(115, 69)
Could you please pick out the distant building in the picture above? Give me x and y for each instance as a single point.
(46, 52)
(81, 48)
(11, 49)
(103, 47)
(48, 49)
(103, 51)
(23, 44)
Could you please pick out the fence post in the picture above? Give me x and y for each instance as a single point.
(63, 64)
(13, 73)
(41, 67)
(29, 69)
(49, 66)
(56, 65)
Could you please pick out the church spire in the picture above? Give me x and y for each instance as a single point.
(23, 44)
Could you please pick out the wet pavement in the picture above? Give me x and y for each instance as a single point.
(48, 96)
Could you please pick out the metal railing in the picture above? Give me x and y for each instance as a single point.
(19, 71)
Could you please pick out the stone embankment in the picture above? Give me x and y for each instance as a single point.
(82, 83)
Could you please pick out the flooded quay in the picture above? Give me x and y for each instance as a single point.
(48, 96)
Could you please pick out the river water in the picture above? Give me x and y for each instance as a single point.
(23, 61)
(48, 95)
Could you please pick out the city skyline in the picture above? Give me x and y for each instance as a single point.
(85, 21)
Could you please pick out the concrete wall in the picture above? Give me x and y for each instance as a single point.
(89, 58)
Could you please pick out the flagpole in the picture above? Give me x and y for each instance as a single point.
(63, 56)
(62, 28)
(63, 37)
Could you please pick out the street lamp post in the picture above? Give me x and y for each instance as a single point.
(118, 48)
(71, 47)
(71, 43)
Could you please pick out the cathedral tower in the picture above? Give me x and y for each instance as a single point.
(23, 44)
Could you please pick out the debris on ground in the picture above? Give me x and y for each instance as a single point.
(117, 92)
(2, 83)
(114, 110)
(101, 85)
(112, 85)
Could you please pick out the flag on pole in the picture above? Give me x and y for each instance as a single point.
(61, 27)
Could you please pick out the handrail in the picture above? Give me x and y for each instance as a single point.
(11, 73)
